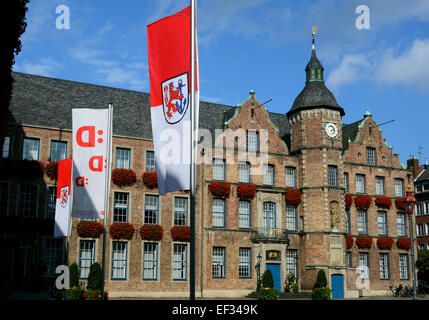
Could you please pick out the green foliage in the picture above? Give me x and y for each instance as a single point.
(95, 277)
(321, 280)
(422, 264)
(267, 294)
(321, 294)
(291, 282)
(74, 293)
(267, 279)
(74, 275)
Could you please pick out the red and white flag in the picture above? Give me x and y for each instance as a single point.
(169, 46)
(62, 207)
(91, 136)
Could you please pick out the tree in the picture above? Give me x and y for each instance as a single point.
(422, 264)
(321, 280)
(95, 277)
(74, 275)
(267, 279)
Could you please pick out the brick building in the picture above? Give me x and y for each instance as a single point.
(296, 221)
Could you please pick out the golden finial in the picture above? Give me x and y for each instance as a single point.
(314, 30)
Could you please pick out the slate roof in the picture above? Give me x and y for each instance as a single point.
(423, 176)
(350, 131)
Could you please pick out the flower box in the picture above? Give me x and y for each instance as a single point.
(122, 230)
(349, 200)
(385, 243)
(89, 229)
(153, 232)
(364, 242)
(400, 204)
(220, 189)
(363, 202)
(403, 243)
(51, 170)
(181, 233)
(383, 202)
(246, 191)
(349, 241)
(123, 177)
(293, 196)
(150, 179)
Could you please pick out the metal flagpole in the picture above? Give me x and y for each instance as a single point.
(193, 171)
(106, 194)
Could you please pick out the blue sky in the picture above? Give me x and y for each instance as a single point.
(262, 45)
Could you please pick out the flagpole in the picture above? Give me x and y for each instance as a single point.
(106, 194)
(193, 171)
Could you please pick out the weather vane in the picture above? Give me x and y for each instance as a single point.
(313, 33)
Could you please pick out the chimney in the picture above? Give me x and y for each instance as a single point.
(413, 164)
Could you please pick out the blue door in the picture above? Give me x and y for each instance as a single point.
(275, 270)
(337, 286)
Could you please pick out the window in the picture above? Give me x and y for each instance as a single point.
(6, 147)
(180, 211)
(269, 217)
(218, 262)
(119, 260)
(150, 261)
(58, 151)
(4, 198)
(30, 149)
(244, 172)
(419, 209)
(244, 263)
(179, 261)
(346, 181)
(379, 186)
(268, 174)
(399, 187)
(301, 224)
(150, 161)
(219, 169)
(26, 246)
(52, 254)
(349, 259)
(244, 214)
(360, 183)
(51, 202)
(348, 220)
(426, 207)
(151, 209)
(332, 176)
(370, 156)
(427, 228)
(86, 257)
(421, 246)
(420, 230)
(27, 200)
(363, 263)
(403, 267)
(382, 225)
(290, 177)
(290, 217)
(120, 207)
(123, 158)
(361, 222)
(218, 212)
(400, 222)
(292, 262)
(384, 266)
(252, 140)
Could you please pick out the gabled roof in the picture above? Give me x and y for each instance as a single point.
(424, 175)
(349, 132)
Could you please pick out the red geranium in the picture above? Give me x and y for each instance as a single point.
(51, 170)
(89, 229)
(181, 233)
(364, 242)
(349, 241)
(384, 202)
(246, 191)
(150, 179)
(363, 201)
(220, 189)
(123, 230)
(123, 177)
(403, 243)
(400, 204)
(385, 243)
(152, 232)
(349, 200)
(293, 196)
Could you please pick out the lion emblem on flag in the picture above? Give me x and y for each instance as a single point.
(175, 99)
(64, 196)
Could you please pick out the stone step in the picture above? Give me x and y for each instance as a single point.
(285, 295)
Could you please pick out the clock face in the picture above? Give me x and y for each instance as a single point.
(331, 130)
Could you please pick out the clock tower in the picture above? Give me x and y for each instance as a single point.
(316, 140)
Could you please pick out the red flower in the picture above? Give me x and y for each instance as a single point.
(181, 233)
(348, 200)
(150, 179)
(220, 189)
(403, 243)
(246, 191)
(293, 196)
(89, 229)
(384, 202)
(349, 241)
(123, 177)
(364, 242)
(51, 170)
(385, 243)
(122, 230)
(152, 232)
(400, 204)
(363, 202)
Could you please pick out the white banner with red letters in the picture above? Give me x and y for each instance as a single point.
(90, 155)
(62, 207)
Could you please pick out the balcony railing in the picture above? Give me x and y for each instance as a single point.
(269, 234)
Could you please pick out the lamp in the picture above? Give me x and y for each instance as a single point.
(258, 271)
(409, 202)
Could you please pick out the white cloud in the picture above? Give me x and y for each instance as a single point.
(47, 67)
(351, 69)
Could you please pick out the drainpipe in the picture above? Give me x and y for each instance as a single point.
(202, 227)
